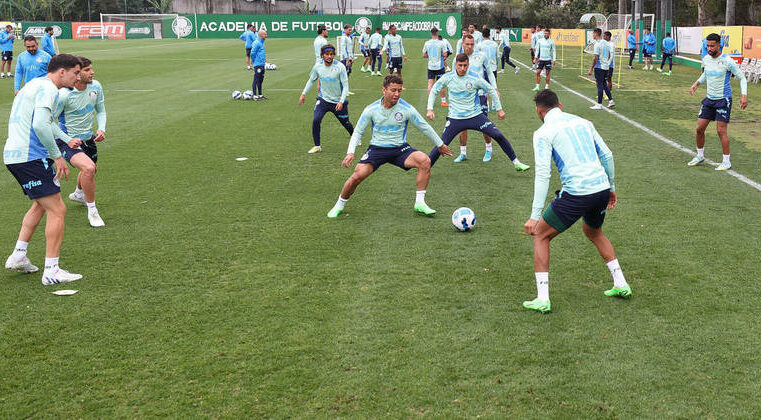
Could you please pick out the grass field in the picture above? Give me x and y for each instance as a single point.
(219, 288)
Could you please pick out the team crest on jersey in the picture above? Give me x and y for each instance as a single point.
(469, 85)
(93, 94)
(39, 59)
(398, 116)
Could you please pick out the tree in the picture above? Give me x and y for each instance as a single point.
(730, 13)
(703, 13)
(162, 6)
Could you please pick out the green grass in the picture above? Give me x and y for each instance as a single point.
(220, 289)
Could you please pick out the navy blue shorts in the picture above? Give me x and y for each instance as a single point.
(248, 52)
(716, 109)
(566, 209)
(7, 55)
(365, 52)
(37, 178)
(435, 74)
(88, 147)
(377, 156)
(545, 64)
(484, 104)
(395, 63)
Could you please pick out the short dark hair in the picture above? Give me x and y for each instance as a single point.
(347, 26)
(468, 36)
(320, 29)
(607, 33)
(251, 25)
(392, 27)
(546, 99)
(461, 58)
(30, 38)
(377, 29)
(392, 78)
(48, 28)
(668, 33)
(325, 48)
(434, 31)
(85, 61)
(63, 61)
(598, 31)
(485, 32)
(713, 37)
(9, 26)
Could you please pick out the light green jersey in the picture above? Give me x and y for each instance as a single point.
(535, 37)
(603, 52)
(393, 44)
(462, 94)
(545, 49)
(318, 43)
(435, 50)
(364, 40)
(76, 111)
(334, 82)
(489, 49)
(581, 156)
(345, 47)
(389, 125)
(477, 68)
(504, 38)
(477, 37)
(716, 76)
(24, 143)
(376, 40)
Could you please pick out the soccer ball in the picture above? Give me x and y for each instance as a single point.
(464, 219)
(270, 66)
(237, 94)
(248, 95)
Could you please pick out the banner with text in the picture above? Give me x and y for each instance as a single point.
(731, 35)
(94, 30)
(570, 37)
(689, 40)
(139, 30)
(61, 30)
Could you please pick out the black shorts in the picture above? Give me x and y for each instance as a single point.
(545, 64)
(377, 156)
(646, 54)
(395, 63)
(7, 55)
(566, 209)
(37, 178)
(89, 147)
(248, 52)
(435, 74)
(716, 109)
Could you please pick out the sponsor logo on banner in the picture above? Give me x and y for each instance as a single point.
(451, 25)
(136, 31)
(752, 41)
(730, 35)
(87, 30)
(573, 37)
(361, 24)
(39, 31)
(182, 26)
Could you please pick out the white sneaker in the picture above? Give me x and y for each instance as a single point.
(23, 265)
(611, 104)
(659, 69)
(501, 71)
(516, 69)
(79, 198)
(58, 275)
(94, 218)
(315, 149)
(644, 68)
(596, 106)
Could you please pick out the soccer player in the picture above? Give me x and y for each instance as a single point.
(394, 48)
(31, 63)
(435, 51)
(449, 51)
(258, 59)
(376, 41)
(648, 49)
(459, 48)
(478, 36)
(364, 46)
(319, 42)
(600, 66)
(333, 88)
(609, 77)
(346, 49)
(545, 55)
(717, 104)
(536, 34)
(503, 37)
(6, 45)
(489, 49)
(248, 37)
(632, 43)
(47, 44)
(669, 45)
(586, 172)
(389, 118)
(31, 155)
(465, 112)
(76, 110)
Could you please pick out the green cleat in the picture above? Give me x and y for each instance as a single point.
(536, 89)
(424, 209)
(542, 306)
(334, 213)
(622, 292)
(520, 167)
(695, 161)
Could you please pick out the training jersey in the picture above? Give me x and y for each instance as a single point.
(393, 44)
(604, 56)
(47, 44)
(583, 160)
(649, 41)
(478, 37)
(535, 38)
(6, 42)
(77, 109)
(504, 38)
(258, 53)
(717, 75)
(334, 82)
(459, 48)
(389, 125)
(248, 37)
(447, 46)
(376, 40)
(631, 41)
(318, 43)
(345, 47)
(669, 45)
(477, 68)
(435, 50)
(364, 41)
(30, 66)
(24, 144)
(545, 49)
(462, 92)
(489, 49)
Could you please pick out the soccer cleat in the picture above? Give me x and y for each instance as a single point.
(542, 306)
(445, 103)
(622, 292)
(262, 98)
(350, 93)
(315, 149)
(521, 167)
(696, 160)
(629, 67)
(644, 68)
(423, 209)
(2, 76)
(79, 198)
(256, 98)
(723, 166)
(596, 106)
(487, 156)
(659, 70)
(23, 265)
(94, 218)
(668, 73)
(460, 158)
(516, 69)
(501, 71)
(334, 212)
(536, 89)
(58, 275)
(611, 104)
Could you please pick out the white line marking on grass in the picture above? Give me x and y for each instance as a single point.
(735, 174)
(643, 90)
(210, 90)
(134, 90)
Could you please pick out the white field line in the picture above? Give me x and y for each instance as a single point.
(735, 174)
(125, 48)
(134, 90)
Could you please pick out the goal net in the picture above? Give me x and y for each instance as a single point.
(618, 25)
(141, 25)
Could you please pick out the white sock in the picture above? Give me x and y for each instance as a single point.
(618, 275)
(516, 161)
(91, 206)
(463, 150)
(20, 251)
(537, 85)
(79, 191)
(547, 86)
(341, 203)
(726, 159)
(489, 147)
(419, 197)
(51, 263)
(700, 152)
(542, 286)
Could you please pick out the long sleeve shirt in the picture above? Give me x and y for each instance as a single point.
(389, 125)
(30, 127)
(30, 66)
(394, 45)
(76, 111)
(717, 76)
(545, 49)
(462, 94)
(334, 82)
